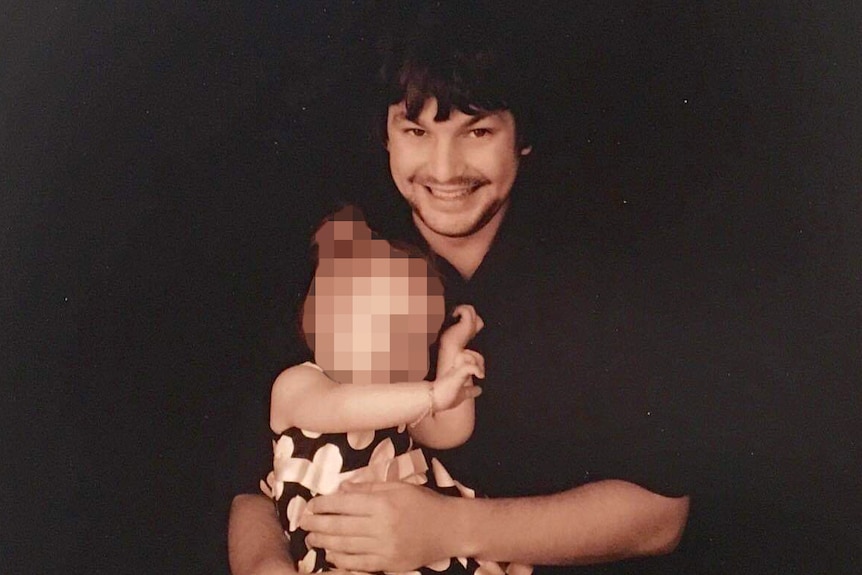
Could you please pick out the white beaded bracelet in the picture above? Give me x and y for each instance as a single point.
(430, 410)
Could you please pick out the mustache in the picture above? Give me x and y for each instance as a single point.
(459, 182)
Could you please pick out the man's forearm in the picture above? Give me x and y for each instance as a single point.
(256, 544)
(598, 522)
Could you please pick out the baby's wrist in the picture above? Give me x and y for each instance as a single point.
(429, 408)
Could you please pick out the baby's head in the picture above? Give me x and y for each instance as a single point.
(372, 309)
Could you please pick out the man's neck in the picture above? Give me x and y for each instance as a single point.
(464, 253)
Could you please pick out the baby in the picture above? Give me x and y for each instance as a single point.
(369, 316)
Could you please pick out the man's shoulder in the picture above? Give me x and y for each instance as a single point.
(558, 258)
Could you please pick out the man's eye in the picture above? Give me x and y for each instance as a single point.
(415, 132)
(480, 132)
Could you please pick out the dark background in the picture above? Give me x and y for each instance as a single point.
(161, 166)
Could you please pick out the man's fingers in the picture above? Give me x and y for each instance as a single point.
(341, 525)
(368, 486)
(354, 562)
(338, 543)
(339, 503)
(472, 391)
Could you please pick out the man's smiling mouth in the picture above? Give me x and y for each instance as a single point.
(444, 193)
(454, 190)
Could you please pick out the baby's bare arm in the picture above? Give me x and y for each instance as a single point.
(446, 426)
(304, 397)
(452, 427)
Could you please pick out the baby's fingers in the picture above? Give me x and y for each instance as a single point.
(468, 315)
(465, 313)
(478, 324)
(469, 369)
(474, 357)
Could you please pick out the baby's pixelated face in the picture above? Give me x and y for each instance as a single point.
(371, 312)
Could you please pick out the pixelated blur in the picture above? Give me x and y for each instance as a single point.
(372, 309)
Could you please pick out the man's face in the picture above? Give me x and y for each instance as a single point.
(456, 174)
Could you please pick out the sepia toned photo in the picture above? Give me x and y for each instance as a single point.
(461, 288)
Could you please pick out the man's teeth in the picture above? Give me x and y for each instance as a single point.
(448, 193)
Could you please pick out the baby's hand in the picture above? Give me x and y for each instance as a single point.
(456, 384)
(460, 334)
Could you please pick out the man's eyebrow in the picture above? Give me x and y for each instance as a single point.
(479, 116)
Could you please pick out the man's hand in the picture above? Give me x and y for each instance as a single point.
(378, 526)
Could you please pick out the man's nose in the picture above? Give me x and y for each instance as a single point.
(446, 161)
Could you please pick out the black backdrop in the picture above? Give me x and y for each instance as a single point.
(161, 164)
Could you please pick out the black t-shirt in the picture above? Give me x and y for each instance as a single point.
(575, 389)
(580, 383)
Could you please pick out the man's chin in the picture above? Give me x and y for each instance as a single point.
(461, 225)
(448, 229)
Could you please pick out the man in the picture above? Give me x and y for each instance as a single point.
(576, 467)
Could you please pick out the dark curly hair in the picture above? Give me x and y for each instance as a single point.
(464, 58)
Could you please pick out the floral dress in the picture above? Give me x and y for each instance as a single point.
(306, 464)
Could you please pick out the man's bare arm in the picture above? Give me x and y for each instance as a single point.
(595, 523)
(396, 527)
(256, 544)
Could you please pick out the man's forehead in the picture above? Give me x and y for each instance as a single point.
(398, 113)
